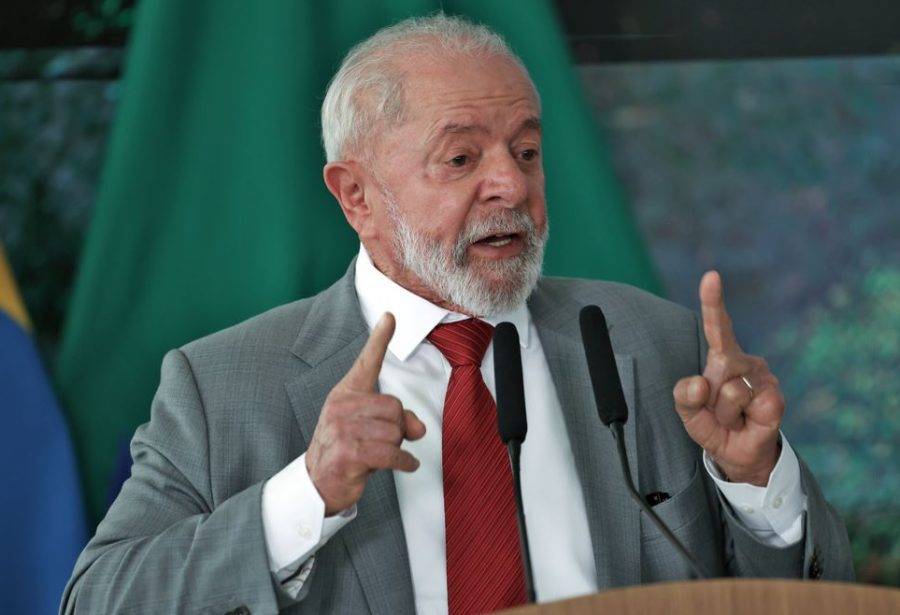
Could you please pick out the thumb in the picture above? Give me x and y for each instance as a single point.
(691, 395)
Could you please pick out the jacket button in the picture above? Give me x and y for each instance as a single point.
(241, 610)
(815, 569)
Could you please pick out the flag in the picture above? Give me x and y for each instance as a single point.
(212, 207)
(42, 520)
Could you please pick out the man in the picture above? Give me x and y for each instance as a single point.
(339, 454)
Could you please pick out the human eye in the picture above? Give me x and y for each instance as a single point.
(529, 154)
(459, 161)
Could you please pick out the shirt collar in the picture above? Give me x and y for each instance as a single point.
(415, 316)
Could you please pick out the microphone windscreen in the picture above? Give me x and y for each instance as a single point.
(511, 420)
(601, 363)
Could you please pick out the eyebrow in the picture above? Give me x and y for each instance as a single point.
(531, 123)
(456, 128)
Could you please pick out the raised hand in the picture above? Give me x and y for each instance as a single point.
(359, 430)
(735, 408)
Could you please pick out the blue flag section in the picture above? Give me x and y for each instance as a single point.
(42, 521)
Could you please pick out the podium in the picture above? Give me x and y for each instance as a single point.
(730, 596)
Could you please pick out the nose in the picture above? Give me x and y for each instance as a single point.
(503, 182)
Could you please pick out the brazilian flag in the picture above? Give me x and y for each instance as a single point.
(212, 208)
(42, 522)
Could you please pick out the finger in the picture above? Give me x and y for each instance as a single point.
(384, 456)
(363, 376)
(372, 406)
(768, 405)
(733, 399)
(377, 430)
(716, 321)
(691, 395)
(415, 428)
(767, 408)
(389, 408)
(722, 367)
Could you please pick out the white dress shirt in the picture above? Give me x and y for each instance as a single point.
(417, 373)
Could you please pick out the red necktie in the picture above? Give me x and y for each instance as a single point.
(484, 564)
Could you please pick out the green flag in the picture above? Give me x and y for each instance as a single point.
(212, 207)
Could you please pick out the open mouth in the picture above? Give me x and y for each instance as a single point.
(497, 240)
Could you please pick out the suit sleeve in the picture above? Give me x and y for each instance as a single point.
(163, 546)
(823, 551)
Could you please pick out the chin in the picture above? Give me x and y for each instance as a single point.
(497, 289)
(510, 272)
(503, 285)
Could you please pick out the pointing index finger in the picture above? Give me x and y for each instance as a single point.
(363, 376)
(716, 321)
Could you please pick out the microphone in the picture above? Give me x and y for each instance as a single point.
(602, 366)
(613, 412)
(512, 424)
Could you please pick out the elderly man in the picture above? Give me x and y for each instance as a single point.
(339, 454)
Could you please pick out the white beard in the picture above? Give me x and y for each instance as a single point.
(457, 281)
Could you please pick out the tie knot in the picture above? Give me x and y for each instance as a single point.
(463, 342)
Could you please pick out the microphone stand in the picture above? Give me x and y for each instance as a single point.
(613, 411)
(619, 436)
(514, 447)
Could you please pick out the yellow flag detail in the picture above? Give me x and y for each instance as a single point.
(10, 301)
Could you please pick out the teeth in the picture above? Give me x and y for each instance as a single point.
(500, 242)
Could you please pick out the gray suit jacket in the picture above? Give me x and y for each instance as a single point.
(185, 534)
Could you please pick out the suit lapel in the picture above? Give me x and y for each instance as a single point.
(329, 341)
(613, 519)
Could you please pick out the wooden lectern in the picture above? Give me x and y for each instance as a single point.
(732, 597)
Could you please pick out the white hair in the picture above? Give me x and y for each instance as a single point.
(368, 86)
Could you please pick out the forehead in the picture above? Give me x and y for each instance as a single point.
(492, 89)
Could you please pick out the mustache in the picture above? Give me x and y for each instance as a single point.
(500, 223)
(506, 222)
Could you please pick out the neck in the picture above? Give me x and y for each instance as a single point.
(391, 268)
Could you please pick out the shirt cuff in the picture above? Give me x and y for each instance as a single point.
(293, 516)
(773, 513)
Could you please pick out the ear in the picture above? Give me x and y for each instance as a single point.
(346, 182)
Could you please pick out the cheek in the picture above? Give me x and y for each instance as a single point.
(446, 218)
(384, 225)
(450, 225)
(537, 206)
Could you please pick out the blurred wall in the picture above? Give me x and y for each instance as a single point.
(785, 175)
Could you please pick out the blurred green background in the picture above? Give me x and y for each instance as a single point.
(783, 174)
